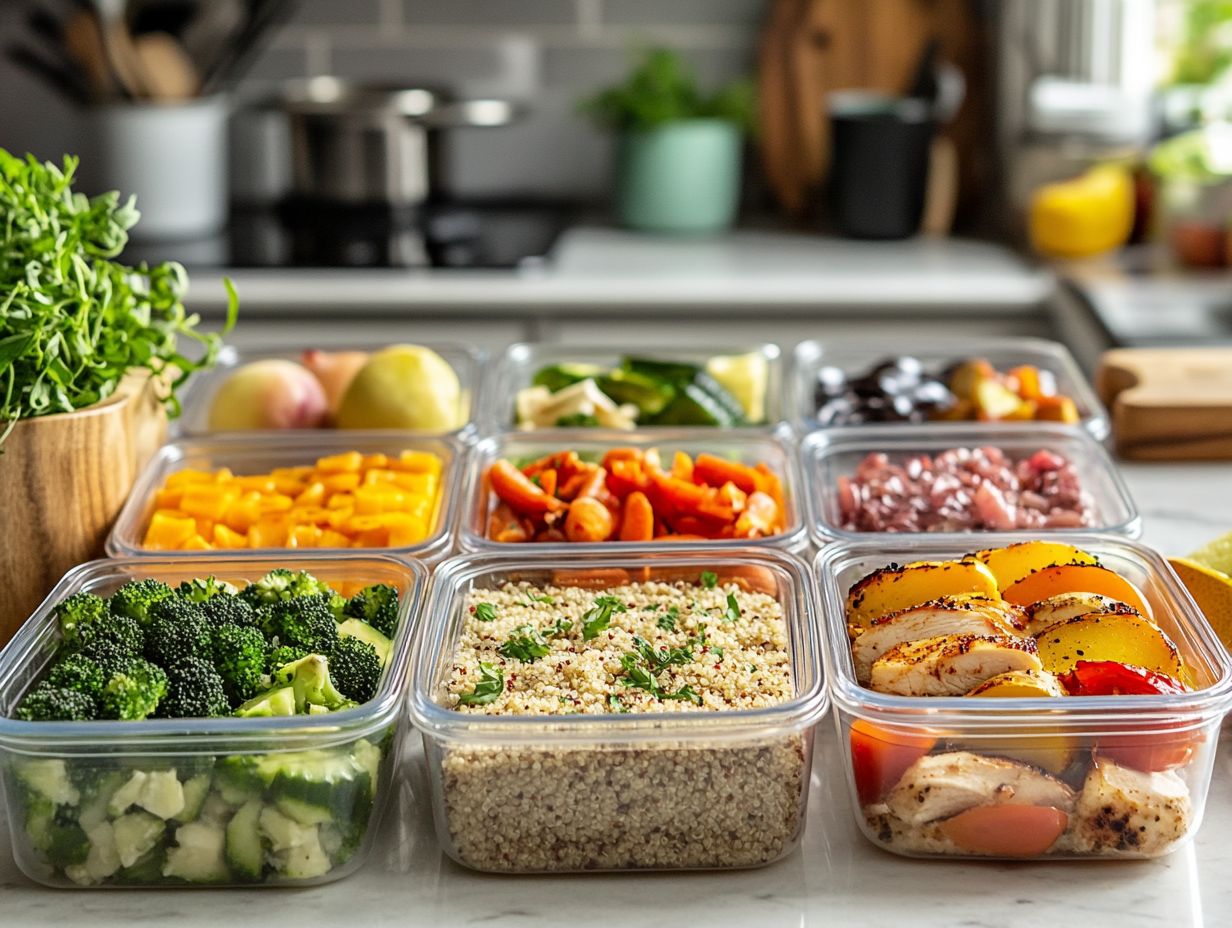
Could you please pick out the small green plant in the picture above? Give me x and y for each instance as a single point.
(663, 89)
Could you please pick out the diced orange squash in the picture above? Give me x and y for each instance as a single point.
(313, 495)
(417, 461)
(261, 483)
(374, 538)
(346, 462)
(339, 483)
(196, 543)
(169, 531)
(333, 539)
(304, 536)
(299, 472)
(268, 533)
(245, 512)
(188, 476)
(274, 502)
(375, 461)
(226, 538)
(309, 515)
(168, 498)
(209, 501)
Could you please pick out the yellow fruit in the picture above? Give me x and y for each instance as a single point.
(334, 370)
(268, 394)
(1216, 555)
(744, 376)
(1085, 216)
(1053, 752)
(1013, 562)
(1211, 590)
(403, 387)
(893, 588)
(1105, 636)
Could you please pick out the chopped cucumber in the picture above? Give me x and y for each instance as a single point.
(720, 395)
(127, 795)
(56, 836)
(195, 791)
(357, 628)
(236, 794)
(96, 801)
(135, 835)
(650, 395)
(677, 373)
(558, 376)
(198, 856)
(163, 794)
(281, 831)
(304, 862)
(693, 406)
(244, 852)
(104, 858)
(302, 812)
(148, 868)
(49, 777)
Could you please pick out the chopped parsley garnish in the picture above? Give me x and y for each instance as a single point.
(685, 692)
(597, 619)
(526, 645)
(485, 612)
(614, 702)
(641, 669)
(733, 609)
(709, 579)
(561, 627)
(667, 621)
(491, 684)
(717, 652)
(652, 607)
(543, 599)
(660, 660)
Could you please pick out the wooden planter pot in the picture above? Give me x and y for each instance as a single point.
(64, 479)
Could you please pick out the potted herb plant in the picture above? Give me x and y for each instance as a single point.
(89, 361)
(679, 150)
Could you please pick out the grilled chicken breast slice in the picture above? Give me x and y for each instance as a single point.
(942, 785)
(1125, 811)
(927, 621)
(1065, 606)
(950, 665)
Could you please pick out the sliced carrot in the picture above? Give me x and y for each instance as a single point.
(680, 536)
(588, 521)
(638, 518)
(514, 487)
(547, 480)
(760, 517)
(715, 471)
(682, 466)
(626, 476)
(594, 484)
(621, 454)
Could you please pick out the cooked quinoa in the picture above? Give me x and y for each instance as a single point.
(656, 805)
(728, 661)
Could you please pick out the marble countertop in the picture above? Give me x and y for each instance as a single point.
(592, 269)
(836, 877)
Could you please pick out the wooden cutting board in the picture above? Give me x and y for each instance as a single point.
(1169, 403)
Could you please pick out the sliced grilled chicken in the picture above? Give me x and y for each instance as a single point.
(1126, 811)
(1064, 606)
(930, 620)
(950, 665)
(941, 785)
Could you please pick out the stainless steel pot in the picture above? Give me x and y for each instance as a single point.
(372, 144)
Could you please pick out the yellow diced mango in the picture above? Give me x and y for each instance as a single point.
(226, 538)
(339, 483)
(188, 476)
(417, 461)
(168, 531)
(312, 495)
(268, 533)
(304, 536)
(375, 460)
(196, 543)
(340, 463)
(210, 501)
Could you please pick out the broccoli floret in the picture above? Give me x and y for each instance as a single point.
(135, 692)
(206, 588)
(378, 606)
(282, 584)
(239, 658)
(194, 690)
(77, 615)
(177, 630)
(229, 610)
(307, 622)
(47, 703)
(121, 630)
(309, 677)
(136, 597)
(108, 654)
(355, 668)
(282, 655)
(78, 672)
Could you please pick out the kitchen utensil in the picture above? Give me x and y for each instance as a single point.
(83, 41)
(241, 49)
(357, 144)
(1169, 403)
(880, 163)
(216, 23)
(169, 72)
(58, 77)
(118, 47)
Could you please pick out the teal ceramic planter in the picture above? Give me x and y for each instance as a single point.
(682, 177)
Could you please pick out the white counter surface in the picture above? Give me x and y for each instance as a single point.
(593, 269)
(835, 878)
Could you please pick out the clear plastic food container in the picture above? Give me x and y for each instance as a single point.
(688, 789)
(1127, 776)
(209, 780)
(467, 363)
(833, 453)
(591, 444)
(516, 369)
(257, 453)
(856, 355)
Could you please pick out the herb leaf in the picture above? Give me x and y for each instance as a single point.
(491, 684)
(485, 612)
(561, 628)
(709, 579)
(667, 621)
(685, 692)
(733, 609)
(526, 645)
(597, 619)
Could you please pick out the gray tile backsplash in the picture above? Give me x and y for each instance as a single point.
(544, 53)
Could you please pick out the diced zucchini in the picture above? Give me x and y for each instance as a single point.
(96, 800)
(216, 810)
(676, 373)
(127, 795)
(281, 831)
(649, 394)
(323, 778)
(244, 853)
(135, 835)
(104, 858)
(195, 791)
(304, 862)
(56, 835)
(148, 869)
(558, 376)
(199, 854)
(162, 793)
(357, 628)
(721, 396)
(694, 406)
(302, 812)
(48, 777)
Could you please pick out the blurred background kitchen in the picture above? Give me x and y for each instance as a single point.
(488, 171)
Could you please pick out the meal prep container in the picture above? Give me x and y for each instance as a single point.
(708, 790)
(467, 363)
(259, 453)
(856, 355)
(37, 758)
(517, 367)
(593, 443)
(833, 453)
(895, 730)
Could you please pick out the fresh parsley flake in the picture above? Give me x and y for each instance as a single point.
(485, 612)
(561, 628)
(652, 607)
(685, 692)
(597, 619)
(614, 702)
(709, 579)
(491, 684)
(667, 621)
(543, 599)
(526, 645)
(733, 609)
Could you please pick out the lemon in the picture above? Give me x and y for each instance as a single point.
(403, 387)
(1211, 590)
(744, 376)
(1216, 555)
